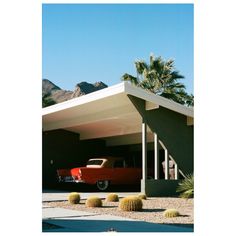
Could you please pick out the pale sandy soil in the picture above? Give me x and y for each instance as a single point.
(152, 210)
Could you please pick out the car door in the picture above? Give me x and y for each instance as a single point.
(120, 175)
(124, 174)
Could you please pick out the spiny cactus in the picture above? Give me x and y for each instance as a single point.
(171, 213)
(142, 196)
(93, 201)
(131, 203)
(74, 198)
(112, 197)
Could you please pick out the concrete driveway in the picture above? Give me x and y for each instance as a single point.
(65, 220)
(54, 195)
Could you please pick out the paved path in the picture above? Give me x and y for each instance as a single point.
(65, 220)
(62, 196)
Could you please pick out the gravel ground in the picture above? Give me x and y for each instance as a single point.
(152, 210)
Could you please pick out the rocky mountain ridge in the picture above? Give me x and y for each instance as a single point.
(52, 94)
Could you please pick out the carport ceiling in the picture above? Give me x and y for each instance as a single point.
(105, 113)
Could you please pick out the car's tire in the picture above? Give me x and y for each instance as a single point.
(102, 185)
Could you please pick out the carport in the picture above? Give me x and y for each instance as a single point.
(117, 116)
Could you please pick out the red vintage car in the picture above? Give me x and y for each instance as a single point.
(102, 172)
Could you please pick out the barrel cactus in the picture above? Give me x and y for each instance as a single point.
(171, 213)
(93, 201)
(112, 197)
(74, 198)
(142, 196)
(131, 203)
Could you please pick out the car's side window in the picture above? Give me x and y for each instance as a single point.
(118, 164)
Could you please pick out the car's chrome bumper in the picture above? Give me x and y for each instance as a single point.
(69, 179)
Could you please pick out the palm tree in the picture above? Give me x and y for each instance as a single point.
(159, 77)
(190, 100)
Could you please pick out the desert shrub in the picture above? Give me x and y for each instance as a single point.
(142, 196)
(186, 187)
(93, 201)
(112, 197)
(131, 203)
(74, 198)
(171, 213)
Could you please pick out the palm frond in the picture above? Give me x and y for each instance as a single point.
(141, 66)
(176, 75)
(190, 100)
(132, 79)
(160, 77)
(175, 86)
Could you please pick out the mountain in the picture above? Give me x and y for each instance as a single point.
(48, 87)
(85, 88)
(53, 94)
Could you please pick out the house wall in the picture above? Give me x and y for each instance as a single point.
(176, 135)
(172, 130)
(63, 149)
(159, 188)
(60, 150)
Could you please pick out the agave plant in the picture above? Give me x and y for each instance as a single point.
(186, 187)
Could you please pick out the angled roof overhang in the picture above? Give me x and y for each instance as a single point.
(107, 113)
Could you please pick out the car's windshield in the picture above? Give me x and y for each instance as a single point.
(94, 162)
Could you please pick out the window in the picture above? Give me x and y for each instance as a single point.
(94, 162)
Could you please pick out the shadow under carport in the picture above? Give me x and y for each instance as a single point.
(72, 187)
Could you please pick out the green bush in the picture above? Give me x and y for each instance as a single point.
(74, 198)
(131, 203)
(186, 187)
(93, 201)
(112, 197)
(171, 213)
(142, 196)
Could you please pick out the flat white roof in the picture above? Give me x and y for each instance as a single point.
(106, 113)
(124, 87)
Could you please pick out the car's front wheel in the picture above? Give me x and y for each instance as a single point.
(102, 185)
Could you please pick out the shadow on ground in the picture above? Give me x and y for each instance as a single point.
(153, 210)
(72, 187)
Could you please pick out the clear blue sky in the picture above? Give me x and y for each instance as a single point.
(100, 42)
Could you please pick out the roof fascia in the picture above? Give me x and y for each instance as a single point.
(156, 99)
(100, 94)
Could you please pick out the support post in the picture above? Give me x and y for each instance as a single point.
(166, 164)
(144, 150)
(176, 171)
(156, 157)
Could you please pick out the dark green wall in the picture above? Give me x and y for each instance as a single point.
(172, 130)
(61, 146)
(67, 151)
(92, 148)
(159, 188)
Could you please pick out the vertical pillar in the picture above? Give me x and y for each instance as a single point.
(166, 164)
(156, 157)
(144, 150)
(176, 171)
